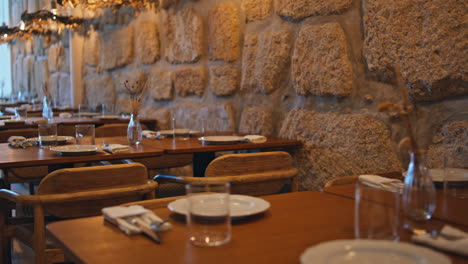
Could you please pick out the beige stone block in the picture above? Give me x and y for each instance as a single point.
(265, 61)
(54, 82)
(256, 9)
(133, 77)
(41, 74)
(117, 48)
(160, 84)
(320, 63)
(224, 32)
(337, 145)
(92, 48)
(184, 36)
(299, 9)
(147, 42)
(257, 121)
(27, 80)
(64, 90)
(99, 89)
(162, 116)
(167, 3)
(224, 79)
(218, 117)
(189, 81)
(426, 39)
(55, 55)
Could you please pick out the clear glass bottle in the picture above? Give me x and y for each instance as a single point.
(134, 131)
(419, 196)
(47, 111)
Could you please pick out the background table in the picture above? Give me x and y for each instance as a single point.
(294, 222)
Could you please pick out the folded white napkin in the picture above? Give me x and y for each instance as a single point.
(152, 134)
(65, 115)
(380, 182)
(256, 138)
(117, 148)
(20, 142)
(449, 239)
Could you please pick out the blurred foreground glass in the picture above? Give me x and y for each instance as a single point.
(21, 113)
(179, 131)
(376, 213)
(84, 134)
(208, 218)
(456, 177)
(47, 135)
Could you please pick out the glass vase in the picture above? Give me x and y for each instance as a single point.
(47, 111)
(134, 131)
(419, 196)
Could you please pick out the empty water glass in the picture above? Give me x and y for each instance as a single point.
(47, 135)
(180, 131)
(84, 135)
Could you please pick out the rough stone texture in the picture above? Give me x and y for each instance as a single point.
(160, 84)
(224, 32)
(265, 60)
(117, 48)
(224, 79)
(338, 145)
(41, 74)
(219, 117)
(320, 64)
(26, 81)
(256, 9)
(184, 33)
(147, 42)
(92, 49)
(451, 143)
(167, 3)
(162, 116)
(425, 38)
(300, 9)
(131, 76)
(64, 90)
(256, 120)
(99, 89)
(55, 56)
(189, 81)
(54, 82)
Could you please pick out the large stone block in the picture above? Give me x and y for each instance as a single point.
(99, 89)
(162, 116)
(92, 48)
(41, 74)
(426, 39)
(27, 80)
(133, 77)
(53, 85)
(256, 120)
(219, 117)
(56, 54)
(338, 145)
(320, 63)
(265, 61)
(189, 81)
(299, 9)
(256, 9)
(64, 90)
(160, 84)
(224, 32)
(184, 36)
(450, 143)
(117, 48)
(147, 42)
(224, 79)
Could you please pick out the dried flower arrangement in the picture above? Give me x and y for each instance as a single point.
(115, 4)
(136, 92)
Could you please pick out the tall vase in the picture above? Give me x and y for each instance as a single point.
(134, 130)
(419, 196)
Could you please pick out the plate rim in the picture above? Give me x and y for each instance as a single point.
(168, 132)
(212, 139)
(256, 200)
(60, 149)
(309, 255)
(441, 180)
(64, 138)
(113, 117)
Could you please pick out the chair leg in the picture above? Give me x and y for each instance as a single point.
(5, 237)
(39, 234)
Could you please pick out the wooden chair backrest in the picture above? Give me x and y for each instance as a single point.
(86, 179)
(26, 132)
(352, 179)
(114, 130)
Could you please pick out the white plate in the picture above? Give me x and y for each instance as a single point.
(76, 150)
(170, 132)
(87, 114)
(60, 139)
(221, 139)
(370, 251)
(241, 205)
(109, 117)
(454, 174)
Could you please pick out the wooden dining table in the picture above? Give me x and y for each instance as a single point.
(293, 223)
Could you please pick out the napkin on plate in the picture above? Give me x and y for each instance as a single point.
(20, 142)
(449, 239)
(152, 134)
(256, 138)
(380, 182)
(65, 115)
(117, 148)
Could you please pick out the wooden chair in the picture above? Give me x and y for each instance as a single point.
(71, 193)
(254, 174)
(352, 179)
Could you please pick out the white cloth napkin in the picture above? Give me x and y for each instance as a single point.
(65, 115)
(256, 138)
(449, 239)
(380, 182)
(120, 215)
(117, 148)
(152, 134)
(20, 142)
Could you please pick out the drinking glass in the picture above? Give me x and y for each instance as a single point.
(21, 113)
(208, 215)
(376, 213)
(82, 108)
(179, 131)
(47, 135)
(84, 134)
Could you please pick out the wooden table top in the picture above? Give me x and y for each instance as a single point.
(449, 209)
(294, 222)
(36, 156)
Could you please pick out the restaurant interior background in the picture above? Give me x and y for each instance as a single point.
(313, 70)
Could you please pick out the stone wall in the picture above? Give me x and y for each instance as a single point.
(313, 70)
